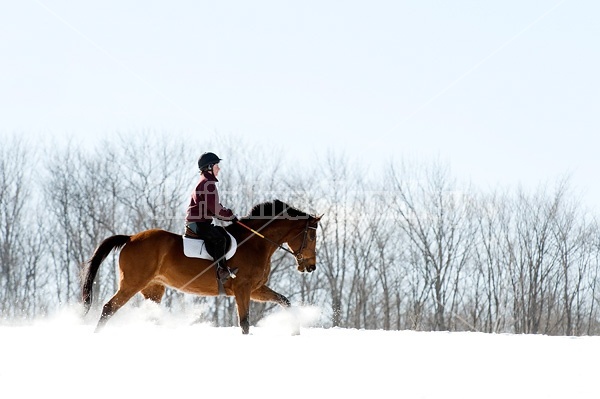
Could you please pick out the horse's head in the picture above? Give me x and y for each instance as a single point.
(296, 228)
(304, 245)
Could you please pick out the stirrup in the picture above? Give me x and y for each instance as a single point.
(224, 273)
(232, 272)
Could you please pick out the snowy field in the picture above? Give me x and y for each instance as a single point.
(147, 352)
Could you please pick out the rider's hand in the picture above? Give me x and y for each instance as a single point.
(234, 219)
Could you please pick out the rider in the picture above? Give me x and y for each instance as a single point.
(204, 205)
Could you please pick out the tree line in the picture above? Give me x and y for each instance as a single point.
(413, 248)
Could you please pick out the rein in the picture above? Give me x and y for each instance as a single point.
(297, 255)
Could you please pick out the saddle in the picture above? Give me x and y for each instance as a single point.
(194, 247)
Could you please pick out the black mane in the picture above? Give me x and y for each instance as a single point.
(276, 208)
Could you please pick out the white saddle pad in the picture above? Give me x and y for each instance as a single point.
(195, 248)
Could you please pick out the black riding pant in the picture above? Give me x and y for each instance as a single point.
(215, 238)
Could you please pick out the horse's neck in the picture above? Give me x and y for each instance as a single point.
(276, 230)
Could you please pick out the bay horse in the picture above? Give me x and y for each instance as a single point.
(153, 259)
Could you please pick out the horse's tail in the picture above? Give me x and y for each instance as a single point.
(89, 274)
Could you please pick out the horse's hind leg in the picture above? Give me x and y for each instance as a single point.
(265, 294)
(115, 303)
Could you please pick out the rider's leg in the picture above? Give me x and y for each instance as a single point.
(215, 239)
(218, 246)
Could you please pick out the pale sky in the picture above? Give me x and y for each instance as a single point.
(507, 92)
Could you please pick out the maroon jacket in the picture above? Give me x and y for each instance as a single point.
(205, 203)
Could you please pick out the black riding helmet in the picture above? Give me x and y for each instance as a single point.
(207, 160)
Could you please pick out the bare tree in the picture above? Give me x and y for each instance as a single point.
(534, 264)
(335, 246)
(16, 277)
(436, 218)
(574, 237)
(491, 294)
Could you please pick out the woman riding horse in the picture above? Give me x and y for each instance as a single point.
(153, 259)
(204, 205)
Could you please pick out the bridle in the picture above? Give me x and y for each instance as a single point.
(298, 255)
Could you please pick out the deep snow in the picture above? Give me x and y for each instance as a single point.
(148, 352)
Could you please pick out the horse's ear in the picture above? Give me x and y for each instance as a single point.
(318, 218)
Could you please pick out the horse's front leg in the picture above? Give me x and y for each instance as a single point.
(265, 294)
(242, 299)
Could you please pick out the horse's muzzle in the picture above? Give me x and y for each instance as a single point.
(306, 268)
